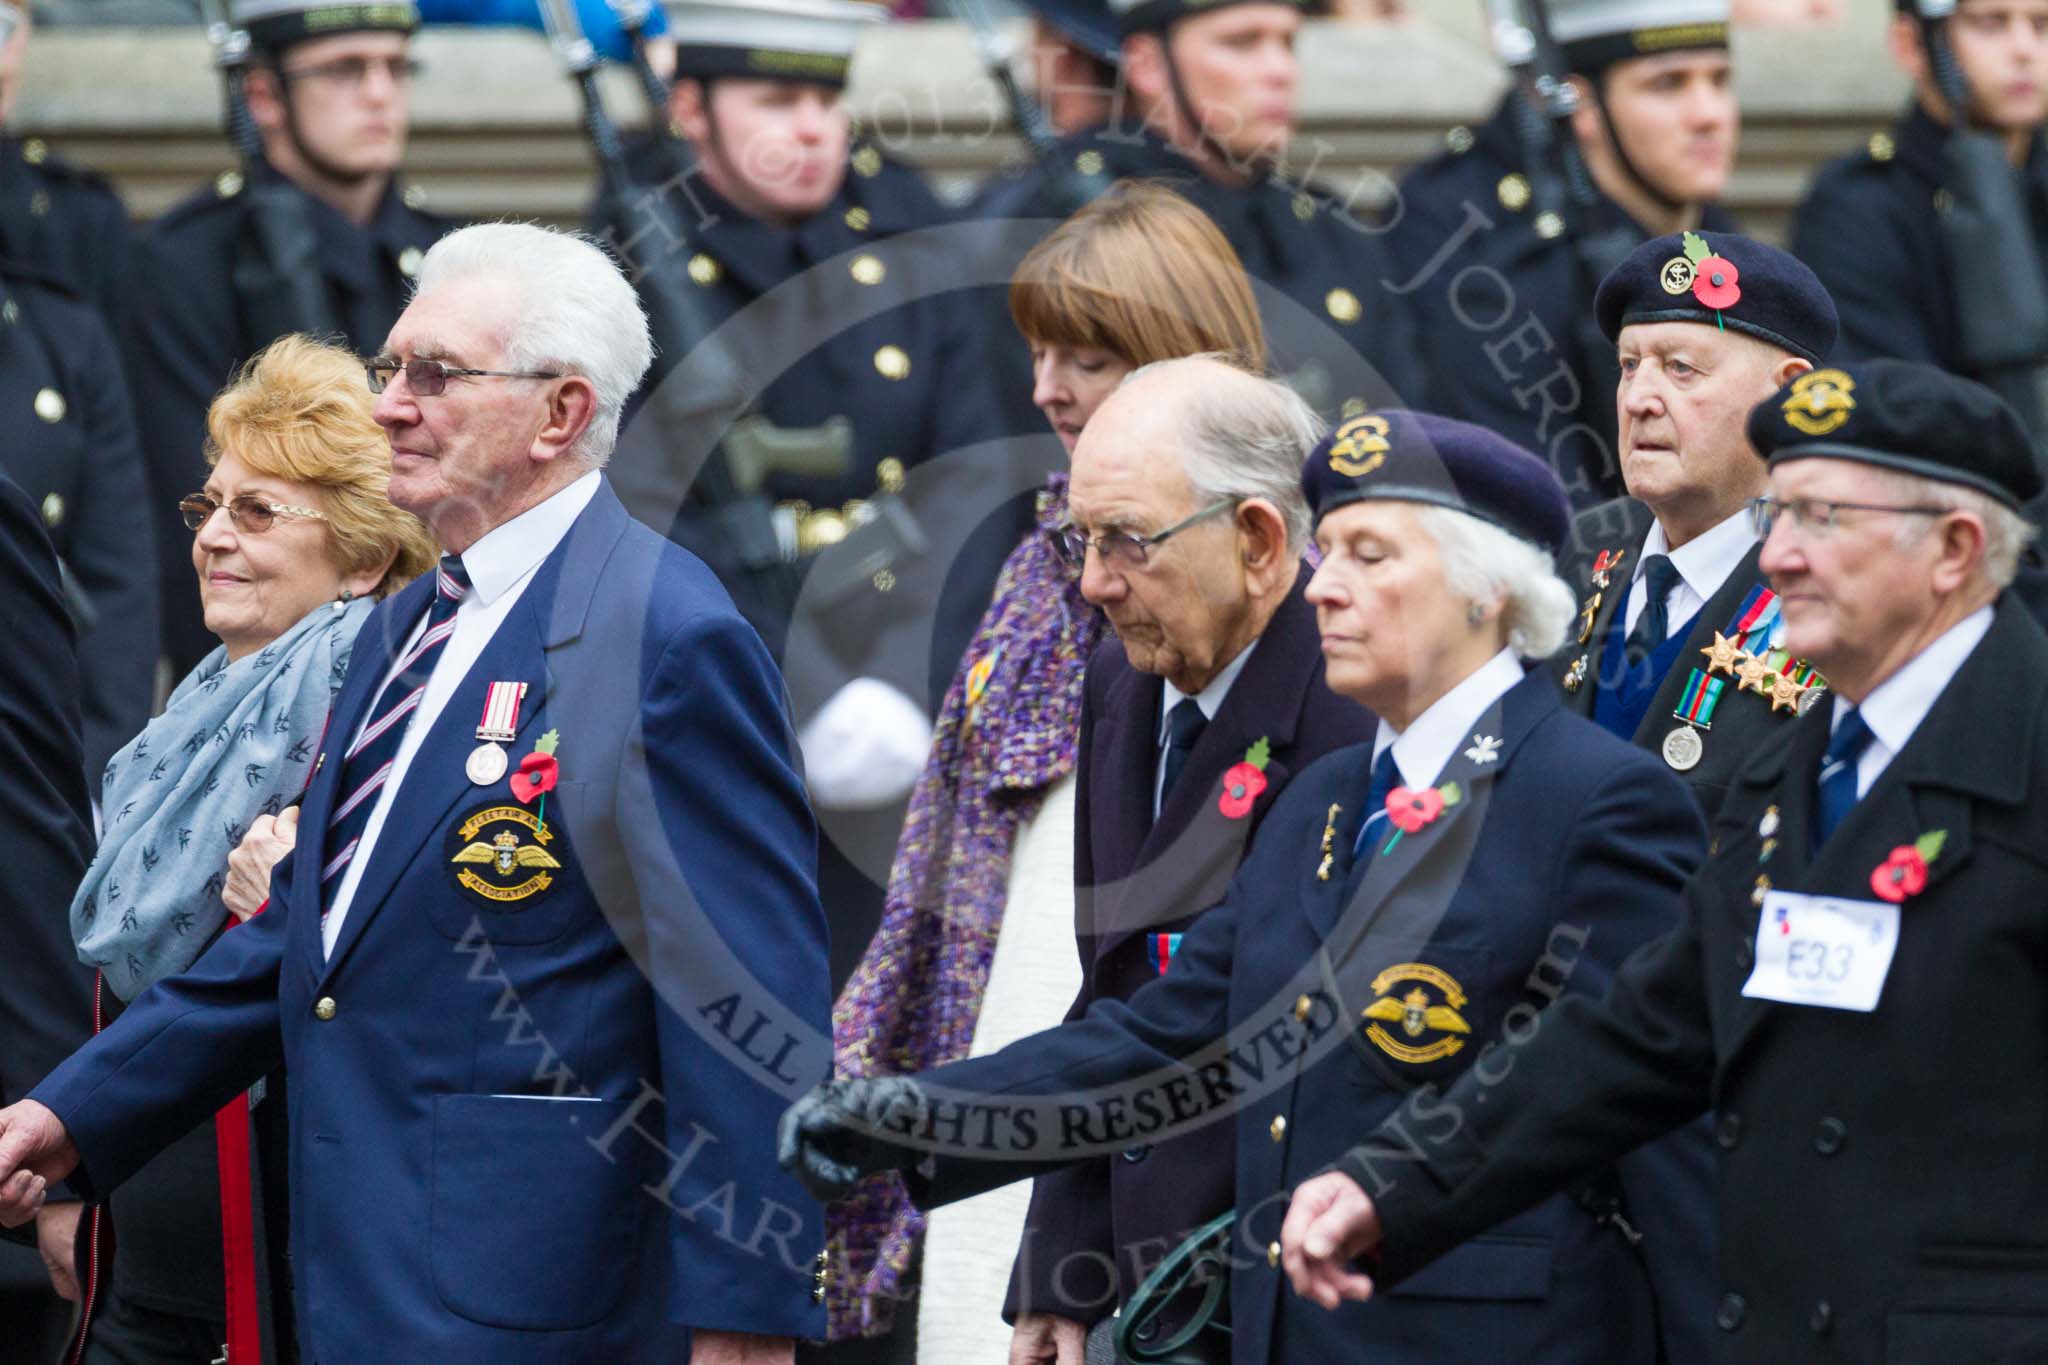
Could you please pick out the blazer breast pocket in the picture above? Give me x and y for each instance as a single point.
(512, 874)
(530, 1226)
(1419, 1020)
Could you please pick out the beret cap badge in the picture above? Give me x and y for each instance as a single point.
(1360, 446)
(1820, 402)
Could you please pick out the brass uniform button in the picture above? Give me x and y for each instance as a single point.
(53, 510)
(1882, 148)
(1273, 1253)
(891, 362)
(1513, 192)
(1089, 162)
(50, 405)
(1303, 1006)
(1304, 206)
(1459, 140)
(1549, 226)
(867, 161)
(704, 270)
(817, 530)
(867, 269)
(857, 218)
(885, 581)
(10, 312)
(39, 204)
(228, 184)
(409, 261)
(1944, 202)
(1343, 305)
(889, 475)
(414, 197)
(1278, 1127)
(324, 1008)
(35, 151)
(1353, 407)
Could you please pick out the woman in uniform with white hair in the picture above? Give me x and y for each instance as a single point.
(1407, 912)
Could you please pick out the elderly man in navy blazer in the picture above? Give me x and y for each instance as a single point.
(551, 957)
(1186, 488)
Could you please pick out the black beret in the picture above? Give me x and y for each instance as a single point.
(1420, 457)
(1722, 280)
(1905, 416)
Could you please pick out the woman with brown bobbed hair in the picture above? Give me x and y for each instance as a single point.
(976, 943)
(293, 541)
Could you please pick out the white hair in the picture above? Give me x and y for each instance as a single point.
(2006, 533)
(1244, 436)
(1482, 563)
(575, 312)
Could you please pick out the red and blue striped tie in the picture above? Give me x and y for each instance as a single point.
(367, 766)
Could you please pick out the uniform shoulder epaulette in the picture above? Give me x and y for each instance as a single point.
(54, 166)
(220, 195)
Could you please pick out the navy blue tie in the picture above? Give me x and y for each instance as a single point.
(1660, 576)
(1838, 774)
(1385, 777)
(1184, 726)
(367, 766)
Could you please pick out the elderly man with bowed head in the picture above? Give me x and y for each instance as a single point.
(548, 957)
(1408, 911)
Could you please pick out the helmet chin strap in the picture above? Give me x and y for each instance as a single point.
(321, 165)
(1186, 108)
(1628, 166)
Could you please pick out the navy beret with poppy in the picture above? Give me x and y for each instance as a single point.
(1898, 414)
(1722, 280)
(1407, 456)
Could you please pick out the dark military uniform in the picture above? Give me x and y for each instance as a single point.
(1870, 229)
(65, 221)
(1501, 305)
(1346, 342)
(189, 329)
(1695, 691)
(71, 444)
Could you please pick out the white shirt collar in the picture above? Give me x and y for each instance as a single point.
(506, 554)
(1896, 706)
(1705, 561)
(1210, 698)
(1425, 747)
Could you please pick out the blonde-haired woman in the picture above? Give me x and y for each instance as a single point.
(293, 540)
(976, 944)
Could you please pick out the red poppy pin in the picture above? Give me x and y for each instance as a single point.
(1716, 282)
(538, 773)
(1904, 873)
(1410, 809)
(1243, 783)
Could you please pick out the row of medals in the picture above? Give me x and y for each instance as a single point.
(1683, 747)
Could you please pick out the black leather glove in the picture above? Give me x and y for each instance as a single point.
(846, 1130)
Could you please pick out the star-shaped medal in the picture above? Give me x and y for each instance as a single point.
(1723, 654)
(1752, 671)
(1785, 694)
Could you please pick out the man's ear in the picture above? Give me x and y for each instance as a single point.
(1588, 123)
(1789, 369)
(1145, 68)
(686, 110)
(1909, 54)
(265, 95)
(570, 409)
(1262, 536)
(1963, 538)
